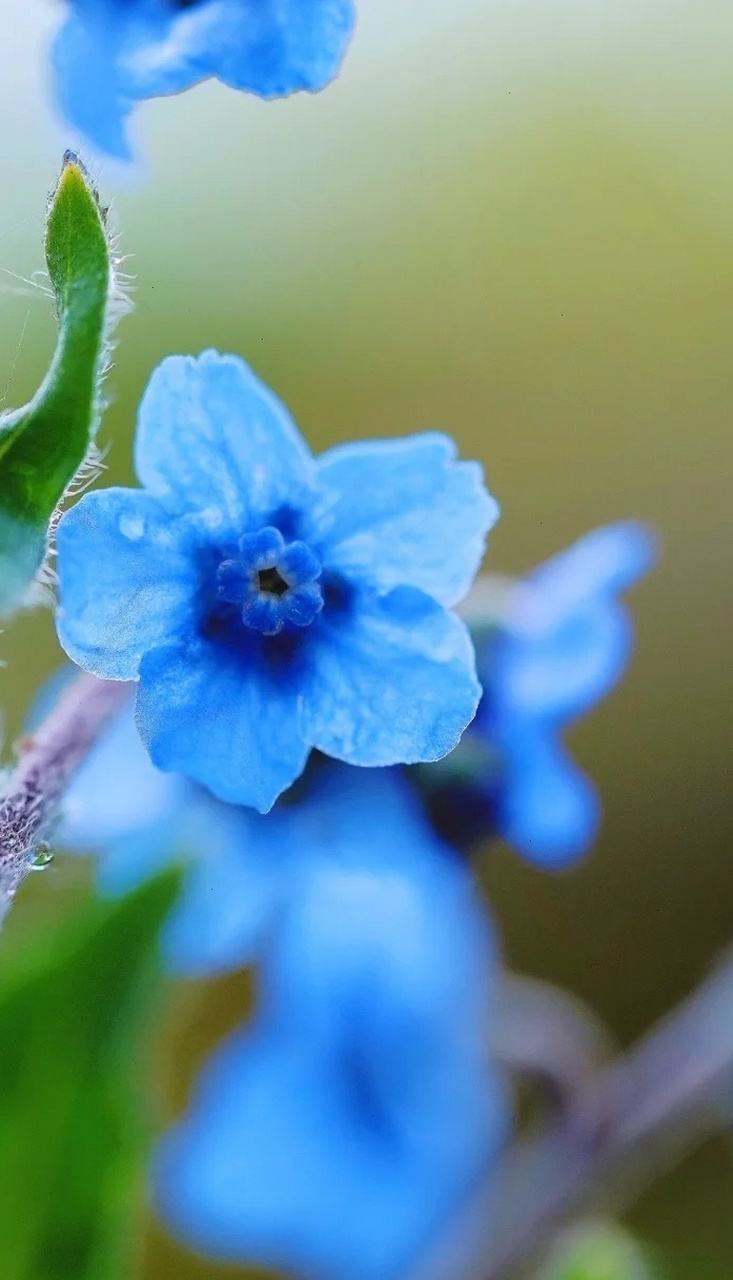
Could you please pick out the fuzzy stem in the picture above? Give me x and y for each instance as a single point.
(47, 763)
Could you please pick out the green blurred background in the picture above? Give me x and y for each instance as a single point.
(511, 220)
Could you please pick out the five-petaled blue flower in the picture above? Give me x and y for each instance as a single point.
(564, 642)
(270, 602)
(112, 53)
(339, 1136)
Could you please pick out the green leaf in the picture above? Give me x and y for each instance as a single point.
(76, 1014)
(598, 1252)
(43, 445)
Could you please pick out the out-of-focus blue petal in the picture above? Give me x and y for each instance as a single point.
(392, 680)
(403, 513)
(347, 812)
(88, 85)
(250, 866)
(235, 886)
(550, 810)
(118, 792)
(130, 859)
(222, 718)
(136, 819)
(604, 562)
(377, 905)
(118, 806)
(559, 674)
(565, 643)
(127, 580)
(211, 437)
(567, 638)
(274, 1166)
(340, 1135)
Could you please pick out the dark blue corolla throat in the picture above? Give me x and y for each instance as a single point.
(273, 582)
(173, 5)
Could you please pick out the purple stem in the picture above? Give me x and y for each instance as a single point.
(47, 762)
(630, 1121)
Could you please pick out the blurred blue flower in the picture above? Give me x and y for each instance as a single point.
(112, 53)
(564, 642)
(270, 602)
(338, 1136)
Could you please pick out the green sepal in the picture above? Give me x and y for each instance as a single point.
(77, 1018)
(43, 445)
(599, 1252)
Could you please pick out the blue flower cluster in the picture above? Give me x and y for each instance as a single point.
(254, 591)
(267, 602)
(110, 54)
(310, 736)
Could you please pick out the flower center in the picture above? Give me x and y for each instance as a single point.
(273, 582)
(270, 580)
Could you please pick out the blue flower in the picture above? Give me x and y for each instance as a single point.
(563, 644)
(112, 53)
(269, 602)
(339, 1135)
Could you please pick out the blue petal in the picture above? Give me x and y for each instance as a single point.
(392, 681)
(250, 866)
(549, 809)
(212, 437)
(108, 55)
(559, 675)
(127, 580)
(403, 513)
(568, 639)
(221, 718)
(363, 818)
(88, 87)
(276, 49)
(130, 859)
(118, 806)
(118, 792)
(234, 888)
(166, 48)
(383, 916)
(137, 819)
(603, 563)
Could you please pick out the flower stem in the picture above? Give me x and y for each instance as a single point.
(47, 762)
(630, 1121)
